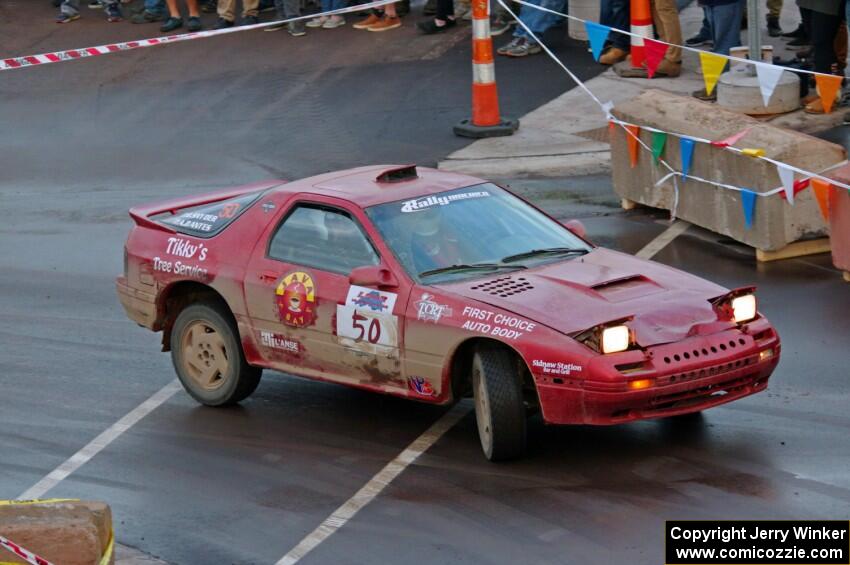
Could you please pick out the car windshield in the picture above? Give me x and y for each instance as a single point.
(470, 232)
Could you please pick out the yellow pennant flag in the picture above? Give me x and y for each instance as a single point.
(712, 65)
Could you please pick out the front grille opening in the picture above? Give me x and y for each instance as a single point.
(626, 368)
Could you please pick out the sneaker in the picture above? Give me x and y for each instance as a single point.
(368, 22)
(613, 56)
(697, 40)
(773, 29)
(95, 5)
(276, 27)
(171, 24)
(508, 46)
(296, 29)
(113, 13)
(194, 24)
(66, 18)
(250, 20)
(221, 23)
(386, 23)
(500, 26)
(333, 22)
(317, 22)
(146, 17)
(522, 48)
(429, 27)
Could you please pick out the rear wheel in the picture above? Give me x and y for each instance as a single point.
(208, 357)
(499, 407)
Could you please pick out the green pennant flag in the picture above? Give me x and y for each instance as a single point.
(659, 138)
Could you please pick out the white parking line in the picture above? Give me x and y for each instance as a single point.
(97, 445)
(376, 484)
(676, 229)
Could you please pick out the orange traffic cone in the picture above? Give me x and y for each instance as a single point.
(486, 121)
(641, 24)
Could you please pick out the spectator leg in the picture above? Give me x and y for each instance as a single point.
(445, 9)
(726, 25)
(539, 21)
(823, 40)
(70, 7)
(155, 6)
(615, 14)
(250, 8)
(665, 15)
(227, 10)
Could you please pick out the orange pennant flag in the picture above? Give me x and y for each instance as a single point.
(827, 86)
(712, 66)
(821, 189)
(632, 133)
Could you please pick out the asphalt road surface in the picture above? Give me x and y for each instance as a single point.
(83, 141)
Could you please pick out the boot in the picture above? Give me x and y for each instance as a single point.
(773, 29)
(613, 55)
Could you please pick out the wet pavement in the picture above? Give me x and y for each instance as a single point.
(86, 140)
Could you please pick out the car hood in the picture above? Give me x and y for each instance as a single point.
(602, 286)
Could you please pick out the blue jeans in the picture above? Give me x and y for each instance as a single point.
(705, 30)
(328, 5)
(725, 21)
(539, 21)
(615, 14)
(155, 6)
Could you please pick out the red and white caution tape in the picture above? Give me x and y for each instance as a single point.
(24, 554)
(81, 53)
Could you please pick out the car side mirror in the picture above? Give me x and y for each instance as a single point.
(576, 227)
(373, 275)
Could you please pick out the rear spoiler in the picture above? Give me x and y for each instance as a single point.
(142, 214)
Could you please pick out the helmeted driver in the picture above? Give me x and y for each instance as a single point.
(431, 245)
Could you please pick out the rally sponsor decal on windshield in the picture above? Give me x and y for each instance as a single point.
(419, 204)
(295, 298)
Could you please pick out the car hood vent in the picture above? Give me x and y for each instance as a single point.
(504, 286)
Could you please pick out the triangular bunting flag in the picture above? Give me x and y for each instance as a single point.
(748, 201)
(821, 189)
(654, 53)
(659, 138)
(768, 76)
(632, 133)
(712, 66)
(799, 186)
(786, 175)
(827, 86)
(596, 34)
(732, 139)
(686, 150)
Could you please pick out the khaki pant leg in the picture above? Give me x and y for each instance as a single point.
(250, 8)
(774, 7)
(665, 16)
(227, 10)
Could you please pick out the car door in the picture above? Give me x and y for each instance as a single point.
(308, 318)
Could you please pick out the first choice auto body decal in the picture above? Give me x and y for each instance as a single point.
(498, 325)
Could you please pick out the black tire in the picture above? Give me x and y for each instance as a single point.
(210, 363)
(499, 407)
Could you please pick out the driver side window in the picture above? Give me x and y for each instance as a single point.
(323, 238)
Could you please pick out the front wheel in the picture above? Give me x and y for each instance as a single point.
(499, 407)
(208, 357)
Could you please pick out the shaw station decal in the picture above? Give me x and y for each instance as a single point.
(296, 299)
(556, 367)
(366, 323)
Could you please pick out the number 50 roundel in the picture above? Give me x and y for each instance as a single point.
(366, 322)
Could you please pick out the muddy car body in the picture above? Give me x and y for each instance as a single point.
(344, 277)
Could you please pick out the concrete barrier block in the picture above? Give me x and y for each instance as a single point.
(64, 533)
(775, 223)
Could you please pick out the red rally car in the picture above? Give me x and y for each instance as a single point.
(434, 286)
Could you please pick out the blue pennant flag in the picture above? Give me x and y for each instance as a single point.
(748, 201)
(596, 34)
(686, 150)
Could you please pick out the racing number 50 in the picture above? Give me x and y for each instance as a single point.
(374, 333)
